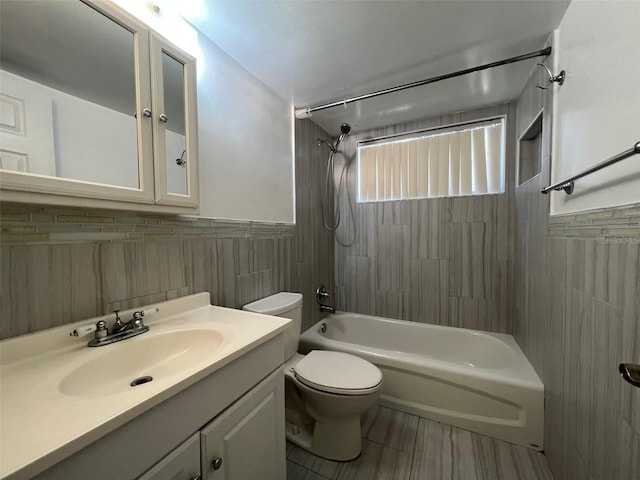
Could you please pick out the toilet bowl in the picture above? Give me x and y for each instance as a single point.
(325, 392)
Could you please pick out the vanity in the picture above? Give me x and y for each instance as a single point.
(213, 409)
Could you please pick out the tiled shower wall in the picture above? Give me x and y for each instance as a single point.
(442, 260)
(313, 251)
(62, 265)
(576, 304)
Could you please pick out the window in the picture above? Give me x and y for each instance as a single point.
(464, 159)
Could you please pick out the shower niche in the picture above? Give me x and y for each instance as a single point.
(530, 151)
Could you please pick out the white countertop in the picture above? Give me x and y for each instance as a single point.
(40, 425)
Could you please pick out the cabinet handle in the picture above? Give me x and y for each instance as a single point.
(217, 463)
(163, 118)
(146, 112)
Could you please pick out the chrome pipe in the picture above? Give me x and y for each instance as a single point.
(320, 141)
(567, 184)
(306, 112)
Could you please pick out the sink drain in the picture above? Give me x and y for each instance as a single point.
(141, 380)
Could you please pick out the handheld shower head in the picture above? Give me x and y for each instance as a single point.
(345, 128)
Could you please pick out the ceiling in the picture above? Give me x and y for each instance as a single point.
(313, 52)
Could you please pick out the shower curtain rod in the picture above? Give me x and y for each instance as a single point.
(307, 112)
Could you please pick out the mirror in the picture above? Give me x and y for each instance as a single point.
(175, 145)
(67, 93)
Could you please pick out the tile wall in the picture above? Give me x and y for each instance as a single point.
(60, 266)
(312, 263)
(442, 260)
(576, 311)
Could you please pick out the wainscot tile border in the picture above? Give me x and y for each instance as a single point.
(33, 225)
(614, 225)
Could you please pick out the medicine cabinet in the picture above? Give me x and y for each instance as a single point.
(96, 110)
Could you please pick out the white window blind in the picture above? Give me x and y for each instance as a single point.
(465, 160)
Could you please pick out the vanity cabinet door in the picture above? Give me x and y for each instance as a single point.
(247, 441)
(181, 464)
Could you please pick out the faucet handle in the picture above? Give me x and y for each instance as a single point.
(83, 330)
(322, 295)
(100, 328)
(137, 320)
(146, 311)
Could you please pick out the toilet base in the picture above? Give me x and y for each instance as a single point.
(339, 441)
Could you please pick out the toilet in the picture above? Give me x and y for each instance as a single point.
(325, 392)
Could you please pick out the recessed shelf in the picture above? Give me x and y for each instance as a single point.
(530, 148)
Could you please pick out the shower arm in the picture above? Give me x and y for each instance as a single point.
(307, 112)
(321, 141)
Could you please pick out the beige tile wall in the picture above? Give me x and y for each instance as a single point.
(444, 260)
(47, 285)
(576, 304)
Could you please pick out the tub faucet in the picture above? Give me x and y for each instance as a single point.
(327, 308)
(321, 298)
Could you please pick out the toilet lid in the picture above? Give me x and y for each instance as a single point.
(337, 372)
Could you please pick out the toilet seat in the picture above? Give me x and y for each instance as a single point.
(337, 372)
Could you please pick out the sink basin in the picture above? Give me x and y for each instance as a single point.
(127, 365)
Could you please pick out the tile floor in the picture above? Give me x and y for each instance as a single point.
(399, 446)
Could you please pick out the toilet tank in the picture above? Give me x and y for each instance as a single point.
(286, 305)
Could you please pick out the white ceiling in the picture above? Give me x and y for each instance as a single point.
(312, 52)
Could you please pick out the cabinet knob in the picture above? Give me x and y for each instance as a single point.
(146, 112)
(163, 118)
(217, 463)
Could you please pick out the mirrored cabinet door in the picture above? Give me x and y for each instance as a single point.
(175, 141)
(75, 101)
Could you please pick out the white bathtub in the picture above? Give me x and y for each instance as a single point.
(475, 380)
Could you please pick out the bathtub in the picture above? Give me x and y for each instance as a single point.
(478, 381)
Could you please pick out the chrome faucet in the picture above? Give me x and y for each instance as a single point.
(327, 308)
(120, 331)
(135, 323)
